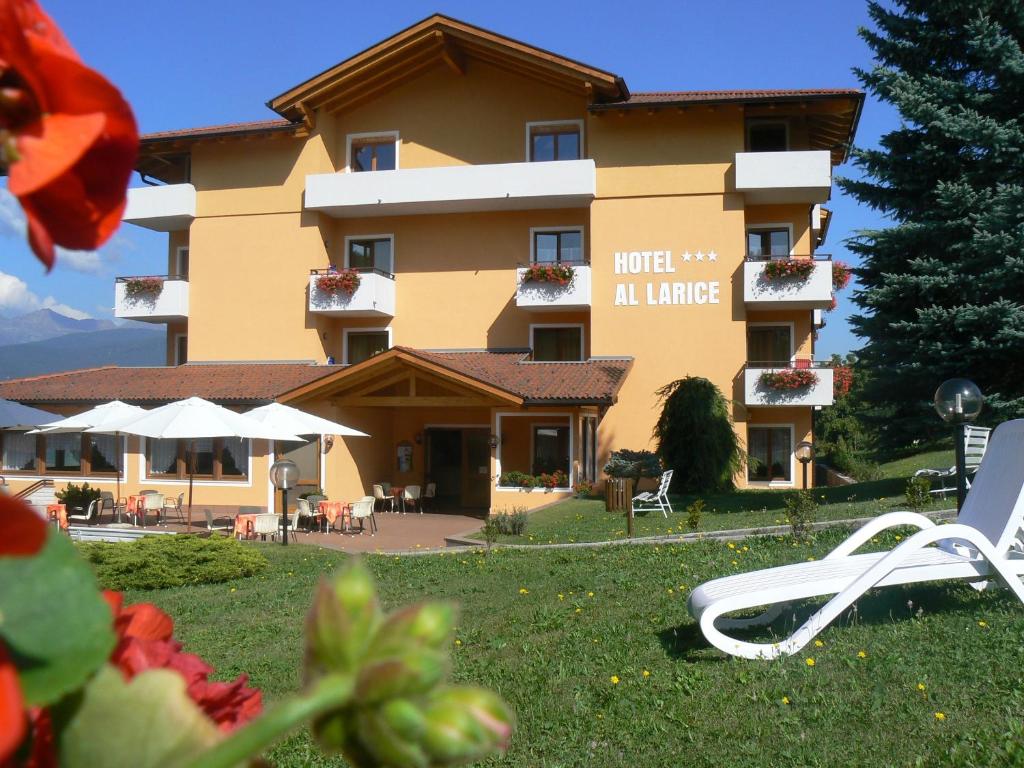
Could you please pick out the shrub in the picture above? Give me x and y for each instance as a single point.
(584, 489)
(789, 379)
(559, 274)
(155, 562)
(345, 280)
(696, 436)
(313, 492)
(490, 530)
(865, 471)
(557, 479)
(780, 269)
(918, 493)
(801, 510)
(77, 496)
(505, 523)
(694, 513)
(634, 464)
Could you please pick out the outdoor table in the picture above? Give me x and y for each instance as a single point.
(58, 514)
(397, 493)
(245, 525)
(137, 506)
(332, 510)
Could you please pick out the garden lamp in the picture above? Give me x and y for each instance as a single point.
(958, 402)
(284, 474)
(804, 454)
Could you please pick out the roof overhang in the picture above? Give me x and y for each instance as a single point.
(438, 39)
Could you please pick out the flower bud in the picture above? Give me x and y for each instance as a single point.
(409, 674)
(404, 718)
(386, 744)
(426, 625)
(465, 724)
(342, 622)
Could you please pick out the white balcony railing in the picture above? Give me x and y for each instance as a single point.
(375, 296)
(541, 296)
(454, 189)
(758, 392)
(166, 208)
(812, 291)
(784, 177)
(161, 299)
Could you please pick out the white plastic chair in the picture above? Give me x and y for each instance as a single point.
(429, 497)
(363, 509)
(211, 526)
(303, 509)
(92, 512)
(411, 495)
(267, 523)
(975, 444)
(151, 502)
(380, 498)
(648, 501)
(985, 543)
(174, 504)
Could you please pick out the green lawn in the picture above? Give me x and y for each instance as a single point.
(579, 520)
(906, 467)
(590, 614)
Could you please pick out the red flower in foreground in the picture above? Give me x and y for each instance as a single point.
(68, 135)
(144, 642)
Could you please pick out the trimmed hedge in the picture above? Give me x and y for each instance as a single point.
(155, 562)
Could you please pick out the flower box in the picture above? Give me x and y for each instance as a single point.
(345, 281)
(557, 274)
(789, 379)
(781, 269)
(143, 287)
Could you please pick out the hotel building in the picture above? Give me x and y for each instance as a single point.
(433, 169)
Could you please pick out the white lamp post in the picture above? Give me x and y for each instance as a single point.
(284, 474)
(958, 402)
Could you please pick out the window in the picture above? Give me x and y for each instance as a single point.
(362, 345)
(562, 246)
(18, 453)
(550, 449)
(555, 141)
(770, 454)
(767, 137)
(370, 253)
(180, 349)
(181, 263)
(766, 243)
(218, 458)
(557, 343)
(374, 154)
(103, 453)
(769, 344)
(63, 453)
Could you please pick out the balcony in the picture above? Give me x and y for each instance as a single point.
(810, 291)
(552, 297)
(151, 299)
(166, 208)
(454, 189)
(816, 392)
(784, 177)
(375, 296)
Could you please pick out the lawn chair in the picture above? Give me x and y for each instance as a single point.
(211, 526)
(92, 512)
(648, 501)
(975, 445)
(363, 509)
(982, 545)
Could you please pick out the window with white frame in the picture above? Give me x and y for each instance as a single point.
(769, 454)
(550, 449)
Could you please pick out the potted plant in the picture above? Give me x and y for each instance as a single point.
(789, 379)
(556, 274)
(841, 274)
(781, 269)
(77, 498)
(143, 287)
(343, 280)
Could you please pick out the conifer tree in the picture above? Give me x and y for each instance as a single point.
(942, 288)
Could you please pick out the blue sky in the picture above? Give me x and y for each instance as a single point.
(185, 63)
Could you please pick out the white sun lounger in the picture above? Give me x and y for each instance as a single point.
(648, 501)
(982, 545)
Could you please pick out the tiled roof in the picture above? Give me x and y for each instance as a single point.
(591, 381)
(697, 97)
(227, 129)
(219, 382)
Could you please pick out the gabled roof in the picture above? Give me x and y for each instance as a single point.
(439, 38)
(505, 375)
(242, 383)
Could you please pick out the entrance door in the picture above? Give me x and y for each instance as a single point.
(476, 477)
(459, 461)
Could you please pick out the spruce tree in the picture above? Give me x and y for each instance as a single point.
(942, 288)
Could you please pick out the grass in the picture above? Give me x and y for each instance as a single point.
(590, 614)
(907, 466)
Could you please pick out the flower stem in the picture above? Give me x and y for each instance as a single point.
(331, 692)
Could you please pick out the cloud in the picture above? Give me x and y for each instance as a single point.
(12, 224)
(17, 298)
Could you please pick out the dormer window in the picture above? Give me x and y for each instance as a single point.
(373, 152)
(767, 136)
(555, 141)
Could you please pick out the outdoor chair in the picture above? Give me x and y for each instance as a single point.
(984, 547)
(211, 526)
(381, 499)
(429, 497)
(975, 444)
(151, 502)
(267, 523)
(651, 500)
(304, 509)
(411, 495)
(174, 505)
(361, 510)
(92, 512)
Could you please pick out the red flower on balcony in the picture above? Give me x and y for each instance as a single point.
(137, 287)
(67, 135)
(780, 269)
(842, 380)
(558, 274)
(789, 379)
(841, 274)
(345, 280)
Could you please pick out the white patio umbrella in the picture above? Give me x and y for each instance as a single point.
(195, 418)
(103, 419)
(17, 416)
(301, 423)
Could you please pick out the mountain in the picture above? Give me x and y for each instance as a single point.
(109, 346)
(45, 324)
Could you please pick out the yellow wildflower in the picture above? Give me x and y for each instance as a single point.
(940, 716)
(579, 610)
(920, 686)
(615, 679)
(731, 545)
(458, 642)
(810, 662)
(647, 673)
(524, 591)
(982, 624)
(862, 654)
(785, 699)
(819, 644)
(590, 594)
(561, 596)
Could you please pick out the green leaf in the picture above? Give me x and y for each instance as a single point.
(149, 722)
(53, 620)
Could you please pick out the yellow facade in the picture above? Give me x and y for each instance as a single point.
(665, 188)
